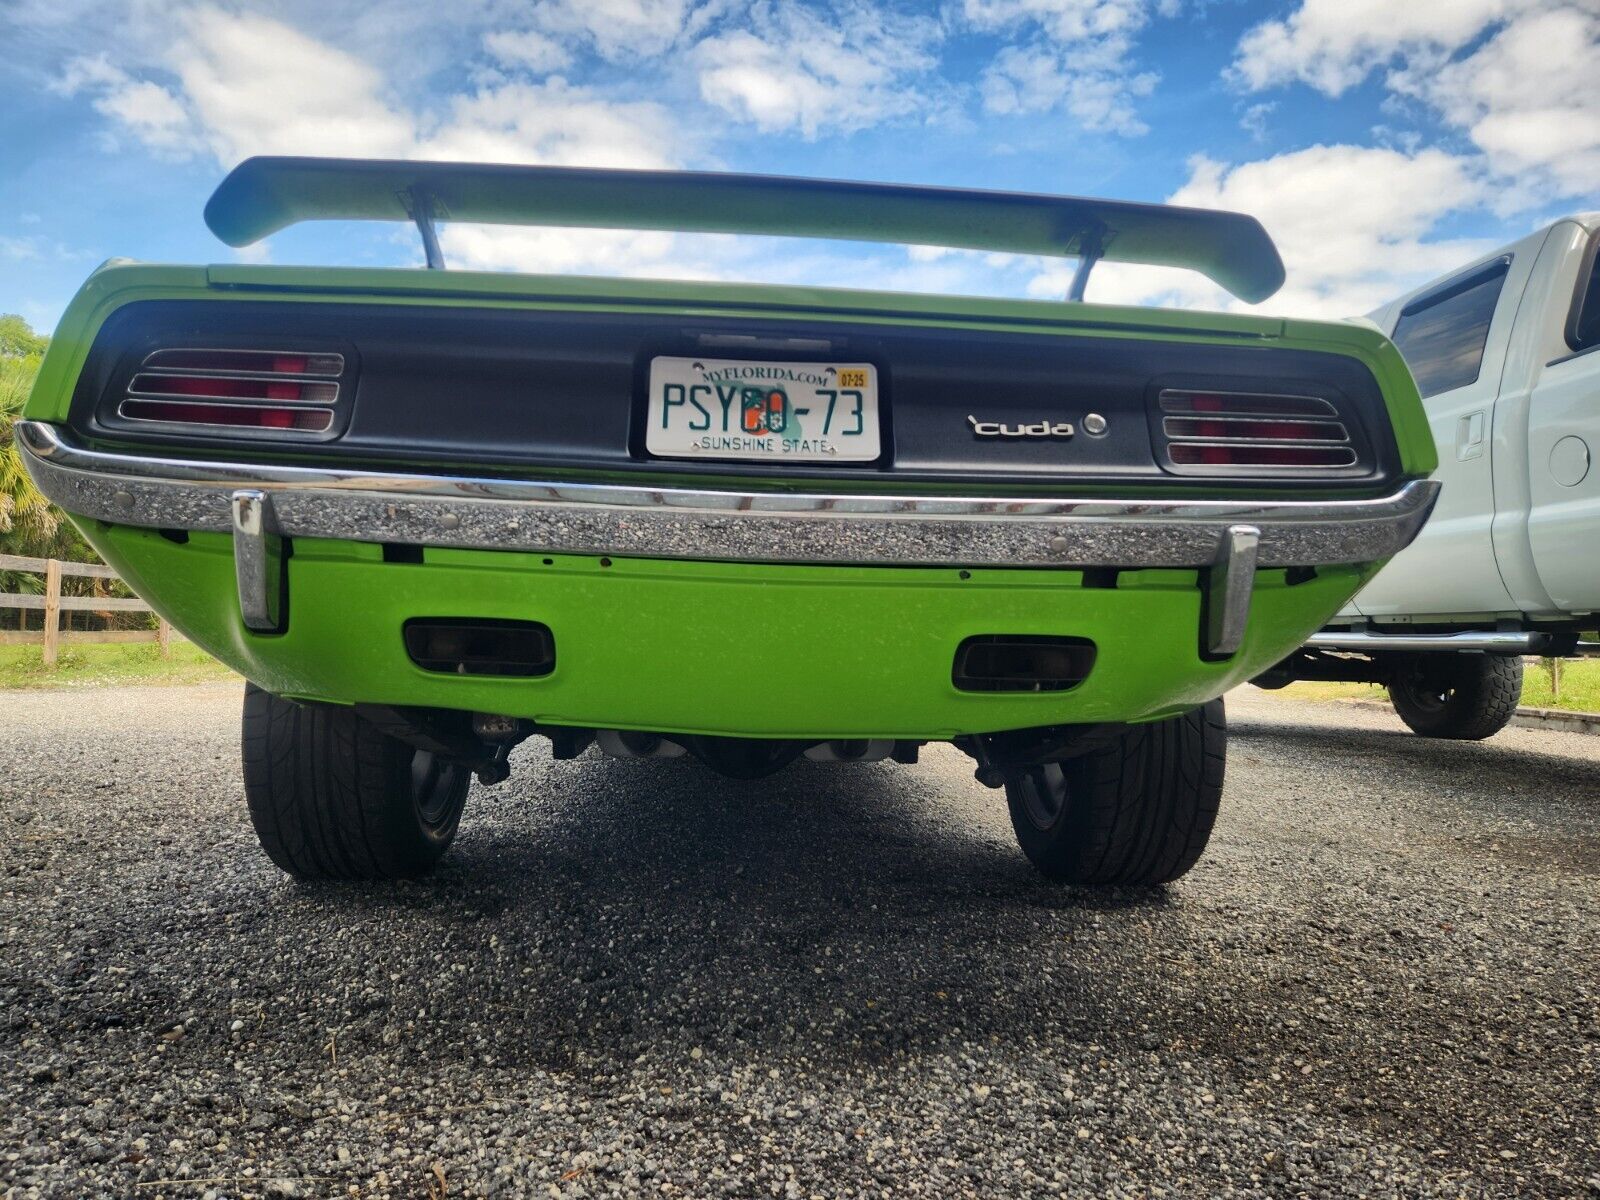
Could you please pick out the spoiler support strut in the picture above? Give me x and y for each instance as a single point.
(1091, 249)
(419, 202)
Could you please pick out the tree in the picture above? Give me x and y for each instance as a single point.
(26, 517)
(29, 524)
(18, 340)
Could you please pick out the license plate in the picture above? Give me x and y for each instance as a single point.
(773, 411)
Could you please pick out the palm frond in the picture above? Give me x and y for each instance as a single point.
(28, 522)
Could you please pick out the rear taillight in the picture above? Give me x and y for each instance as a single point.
(276, 392)
(1229, 431)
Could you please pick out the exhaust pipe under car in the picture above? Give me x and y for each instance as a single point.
(750, 758)
(629, 743)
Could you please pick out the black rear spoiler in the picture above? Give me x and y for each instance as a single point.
(263, 195)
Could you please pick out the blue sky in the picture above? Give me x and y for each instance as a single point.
(1380, 143)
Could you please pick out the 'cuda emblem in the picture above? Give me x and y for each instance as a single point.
(1034, 429)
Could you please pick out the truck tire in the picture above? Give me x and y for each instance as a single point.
(1466, 697)
(331, 797)
(1138, 811)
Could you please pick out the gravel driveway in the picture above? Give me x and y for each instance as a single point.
(640, 978)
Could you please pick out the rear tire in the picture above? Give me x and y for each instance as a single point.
(1139, 811)
(331, 797)
(1465, 697)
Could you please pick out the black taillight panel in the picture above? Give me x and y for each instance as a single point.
(390, 385)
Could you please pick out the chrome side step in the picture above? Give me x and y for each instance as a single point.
(1482, 641)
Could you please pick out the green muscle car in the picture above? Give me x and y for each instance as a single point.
(429, 514)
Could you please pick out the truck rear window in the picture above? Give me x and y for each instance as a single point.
(1442, 334)
(1584, 329)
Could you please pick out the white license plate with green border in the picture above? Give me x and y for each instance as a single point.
(773, 411)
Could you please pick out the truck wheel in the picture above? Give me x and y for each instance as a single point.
(1138, 811)
(333, 798)
(1461, 696)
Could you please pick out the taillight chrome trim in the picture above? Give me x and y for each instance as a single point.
(130, 410)
(1347, 458)
(1338, 434)
(325, 392)
(329, 364)
(1317, 406)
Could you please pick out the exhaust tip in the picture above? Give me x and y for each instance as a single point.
(480, 646)
(1005, 662)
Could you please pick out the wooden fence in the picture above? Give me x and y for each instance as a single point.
(53, 604)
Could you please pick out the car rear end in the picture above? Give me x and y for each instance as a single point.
(660, 507)
(430, 514)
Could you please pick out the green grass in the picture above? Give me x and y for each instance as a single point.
(22, 667)
(1580, 687)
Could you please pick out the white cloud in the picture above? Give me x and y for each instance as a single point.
(152, 112)
(794, 68)
(256, 253)
(1516, 76)
(563, 251)
(257, 86)
(149, 111)
(1527, 97)
(528, 49)
(1041, 77)
(19, 248)
(1061, 20)
(619, 30)
(554, 123)
(1080, 59)
(1353, 225)
(245, 84)
(1254, 120)
(34, 248)
(1334, 44)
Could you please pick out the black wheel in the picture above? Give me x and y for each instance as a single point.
(1139, 811)
(331, 797)
(1462, 696)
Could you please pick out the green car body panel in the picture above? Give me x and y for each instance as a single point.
(736, 649)
(694, 645)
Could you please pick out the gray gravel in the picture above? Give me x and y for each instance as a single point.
(639, 978)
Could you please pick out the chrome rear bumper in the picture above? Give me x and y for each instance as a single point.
(264, 500)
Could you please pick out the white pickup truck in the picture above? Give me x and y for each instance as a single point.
(1506, 353)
